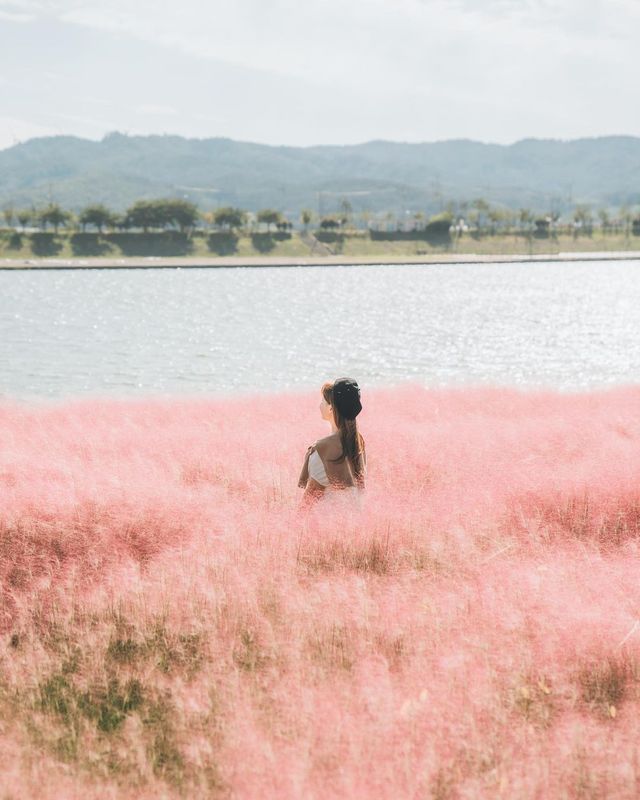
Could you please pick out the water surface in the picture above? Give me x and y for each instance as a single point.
(559, 325)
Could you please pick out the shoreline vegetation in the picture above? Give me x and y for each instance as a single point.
(174, 229)
(174, 249)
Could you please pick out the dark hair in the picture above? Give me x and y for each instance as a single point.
(350, 437)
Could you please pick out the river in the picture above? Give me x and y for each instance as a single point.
(174, 331)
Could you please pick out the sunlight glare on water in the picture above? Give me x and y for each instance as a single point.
(565, 326)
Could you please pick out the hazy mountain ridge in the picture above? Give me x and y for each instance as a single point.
(373, 176)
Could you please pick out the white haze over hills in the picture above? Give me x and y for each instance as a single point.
(285, 72)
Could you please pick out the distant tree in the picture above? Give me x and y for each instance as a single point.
(605, 220)
(146, 214)
(481, 208)
(208, 218)
(97, 215)
(181, 213)
(626, 215)
(419, 220)
(54, 215)
(305, 217)
(121, 222)
(9, 216)
(525, 217)
(346, 210)
(582, 218)
(229, 218)
(391, 221)
(269, 217)
(24, 216)
(509, 218)
(496, 218)
(582, 214)
(284, 225)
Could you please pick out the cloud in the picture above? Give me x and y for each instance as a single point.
(363, 40)
(15, 16)
(160, 111)
(413, 69)
(367, 41)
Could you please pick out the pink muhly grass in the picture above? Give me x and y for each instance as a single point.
(172, 622)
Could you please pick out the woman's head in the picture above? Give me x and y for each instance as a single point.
(326, 403)
(341, 403)
(340, 400)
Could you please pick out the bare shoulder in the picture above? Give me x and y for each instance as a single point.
(330, 446)
(330, 439)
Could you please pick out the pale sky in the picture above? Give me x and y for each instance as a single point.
(320, 72)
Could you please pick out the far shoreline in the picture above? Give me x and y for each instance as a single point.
(180, 262)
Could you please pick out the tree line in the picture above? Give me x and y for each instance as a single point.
(143, 215)
(179, 214)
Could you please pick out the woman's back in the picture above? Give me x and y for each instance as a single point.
(338, 467)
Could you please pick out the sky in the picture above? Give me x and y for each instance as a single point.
(322, 71)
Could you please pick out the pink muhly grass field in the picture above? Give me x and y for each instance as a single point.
(173, 624)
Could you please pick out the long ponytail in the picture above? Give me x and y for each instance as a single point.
(351, 439)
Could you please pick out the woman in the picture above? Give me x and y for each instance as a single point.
(338, 461)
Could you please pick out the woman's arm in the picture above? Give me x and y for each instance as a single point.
(304, 474)
(313, 490)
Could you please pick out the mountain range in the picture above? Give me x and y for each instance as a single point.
(376, 176)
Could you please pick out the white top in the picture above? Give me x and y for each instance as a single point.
(318, 473)
(317, 470)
